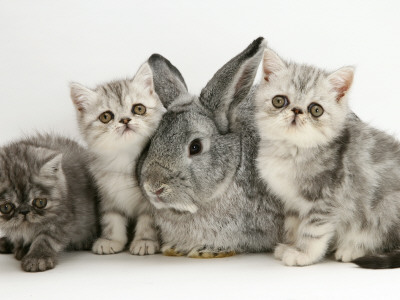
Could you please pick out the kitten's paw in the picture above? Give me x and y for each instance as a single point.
(144, 247)
(205, 252)
(37, 264)
(280, 250)
(348, 254)
(20, 252)
(294, 257)
(104, 246)
(5, 246)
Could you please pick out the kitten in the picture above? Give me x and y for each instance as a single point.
(117, 120)
(337, 176)
(47, 200)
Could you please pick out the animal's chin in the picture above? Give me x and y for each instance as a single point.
(162, 203)
(127, 131)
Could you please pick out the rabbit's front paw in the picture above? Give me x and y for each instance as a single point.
(172, 250)
(105, 246)
(144, 247)
(205, 252)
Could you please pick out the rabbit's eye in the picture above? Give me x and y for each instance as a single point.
(195, 147)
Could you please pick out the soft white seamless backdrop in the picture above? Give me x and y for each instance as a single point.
(46, 44)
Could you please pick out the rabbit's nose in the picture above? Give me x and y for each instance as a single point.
(159, 191)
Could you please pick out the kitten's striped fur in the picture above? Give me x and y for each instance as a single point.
(337, 176)
(56, 169)
(115, 148)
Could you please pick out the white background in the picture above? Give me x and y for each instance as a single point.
(46, 44)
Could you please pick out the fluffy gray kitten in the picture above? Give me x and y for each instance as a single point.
(200, 170)
(117, 120)
(337, 176)
(47, 200)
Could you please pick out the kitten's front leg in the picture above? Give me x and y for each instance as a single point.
(146, 240)
(20, 251)
(312, 241)
(292, 223)
(113, 237)
(6, 246)
(42, 254)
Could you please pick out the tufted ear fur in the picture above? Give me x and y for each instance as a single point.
(52, 167)
(272, 64)
(341, 81)
(144, 79)
(81, 96)
(168, 81)
(231, 84)
(50, 161)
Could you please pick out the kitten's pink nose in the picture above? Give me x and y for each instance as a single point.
(125, 120)
(297, 111)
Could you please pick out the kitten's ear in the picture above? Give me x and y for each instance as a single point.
(272, 64)
(341, 81)
(81, 96)
(231, 84)
(52, 167)
(168, 81)
(144, 78)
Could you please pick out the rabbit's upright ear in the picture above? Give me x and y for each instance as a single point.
(232, 83)
(168, 81)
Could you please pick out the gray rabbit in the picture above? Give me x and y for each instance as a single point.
(199, 170)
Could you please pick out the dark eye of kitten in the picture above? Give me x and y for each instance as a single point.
(195, 147)
(40, 202)
(280, 101)
(106, 117)
(139, 109)
(6, 208)
(315, 109)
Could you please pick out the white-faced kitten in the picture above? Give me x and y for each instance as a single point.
(338, 177)
(117, 120)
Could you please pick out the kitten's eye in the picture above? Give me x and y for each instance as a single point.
(139, 109)
(315, 109)
(280, 101)
(195, 147)
(40, 202)
(6, 208)
(106, 117)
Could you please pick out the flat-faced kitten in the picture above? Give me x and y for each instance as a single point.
(47, 200)
(117, 120)
(337, 176)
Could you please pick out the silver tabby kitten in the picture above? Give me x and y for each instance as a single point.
(337, 176)
(117, 120)
(47, 200)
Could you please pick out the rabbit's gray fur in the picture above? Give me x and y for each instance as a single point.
(211, 204)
